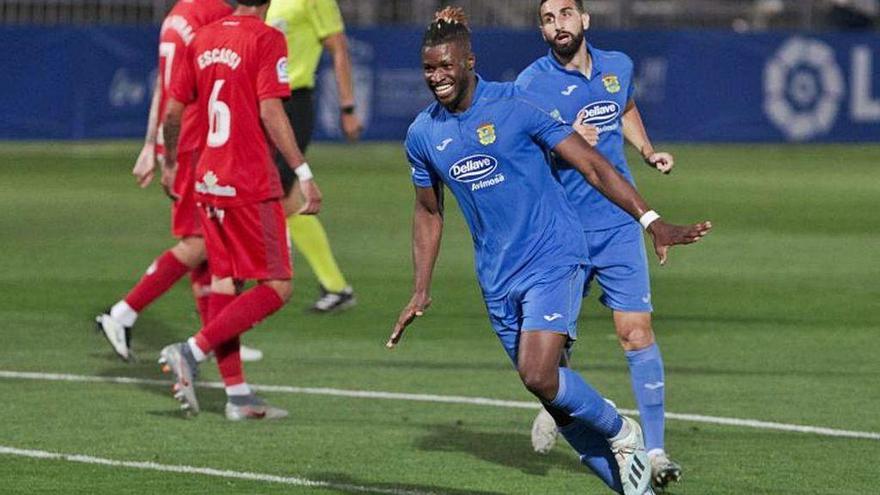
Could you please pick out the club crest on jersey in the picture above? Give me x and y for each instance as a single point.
(486, 134)
(612, 84)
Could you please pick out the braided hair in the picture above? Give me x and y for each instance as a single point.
(449, 24)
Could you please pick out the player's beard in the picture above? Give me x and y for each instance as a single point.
(567, 50)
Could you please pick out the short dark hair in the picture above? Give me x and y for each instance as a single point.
(449, 24)
(578, 3)
(253, 3)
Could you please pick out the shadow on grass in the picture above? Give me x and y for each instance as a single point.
(343, 483)
(513, 450)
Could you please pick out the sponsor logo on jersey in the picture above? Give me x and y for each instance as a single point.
(486, 134)
(281, 67)
(223, 56)
(612, 84)
(600, 113)
(442, 146)
(567, 91)
(473, 168)
(210, 185)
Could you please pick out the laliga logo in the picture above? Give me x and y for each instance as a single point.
(473, 168)
(600, 113)
(803, 88)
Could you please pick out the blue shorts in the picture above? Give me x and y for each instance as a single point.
(619, 263)
(548, 301)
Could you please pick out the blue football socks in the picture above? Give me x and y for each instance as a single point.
(646, 373)
(594, 452)
(582, 402)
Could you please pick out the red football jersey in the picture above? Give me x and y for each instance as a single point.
(231, 66)
(178, 30)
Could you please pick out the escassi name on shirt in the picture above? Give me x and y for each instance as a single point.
(223, 56)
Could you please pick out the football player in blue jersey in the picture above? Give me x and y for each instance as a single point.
(592, 89)
(488, 146)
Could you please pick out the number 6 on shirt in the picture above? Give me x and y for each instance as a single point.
(219, 117)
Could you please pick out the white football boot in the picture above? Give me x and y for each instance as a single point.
(251, 407)
(663, 470)
(635, 471)
(118, 335)
(178, 359)
(544, 432)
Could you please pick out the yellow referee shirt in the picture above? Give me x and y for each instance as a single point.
(305, 23)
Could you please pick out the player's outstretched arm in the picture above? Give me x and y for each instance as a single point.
(427, 230)
(145, 165)
(634, 132)
(604, 177)
(171, 131)
(281, 134)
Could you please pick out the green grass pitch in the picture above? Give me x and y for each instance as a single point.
(773, 317)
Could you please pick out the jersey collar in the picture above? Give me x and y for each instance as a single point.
(558, 66)
(478, 93)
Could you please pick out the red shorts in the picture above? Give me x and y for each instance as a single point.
(247, 242)
(184, 212)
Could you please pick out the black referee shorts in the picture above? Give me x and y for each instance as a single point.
(301, 113)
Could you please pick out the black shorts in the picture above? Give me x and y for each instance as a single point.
(301, 113)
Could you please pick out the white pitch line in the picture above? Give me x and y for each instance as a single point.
(205, 471)
(447, 399)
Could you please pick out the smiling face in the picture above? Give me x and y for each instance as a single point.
(563, 26)
(448, 70)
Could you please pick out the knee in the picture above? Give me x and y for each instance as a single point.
(544, 384)
(284, 288)
(190, 251)
(635, 337)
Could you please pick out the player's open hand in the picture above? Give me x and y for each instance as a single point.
(661, 160)
(145, 165)
(351, 126)
(169, 172)
(417, 306)
(311, 197)
(666, 235)
(589, 132)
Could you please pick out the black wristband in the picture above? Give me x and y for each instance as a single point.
(347, 109)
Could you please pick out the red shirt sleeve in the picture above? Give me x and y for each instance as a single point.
(183, 81)
(272, 79)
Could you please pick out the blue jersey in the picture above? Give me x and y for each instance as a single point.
(493, 157)
(604, 96)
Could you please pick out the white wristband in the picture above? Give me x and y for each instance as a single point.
(303, 172)
(648, 218)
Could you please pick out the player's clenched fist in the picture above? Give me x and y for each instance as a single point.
(589, 132)
(311, 197)
(145, 165)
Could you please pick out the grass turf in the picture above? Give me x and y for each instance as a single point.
(773, 317)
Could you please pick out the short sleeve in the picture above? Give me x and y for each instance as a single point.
(543, 128)
(423, 174)
(272, 79)
(630, 83)
(182, 82)
(326, 18)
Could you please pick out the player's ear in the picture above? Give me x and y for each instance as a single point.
(585, 19)
(471, 61)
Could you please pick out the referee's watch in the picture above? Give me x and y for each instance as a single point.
(347, 109)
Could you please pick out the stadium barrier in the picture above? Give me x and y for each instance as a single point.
(95, 82)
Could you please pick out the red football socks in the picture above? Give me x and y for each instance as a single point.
(160, 276)
(239, 316)
(229, 362)
(200, 278)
